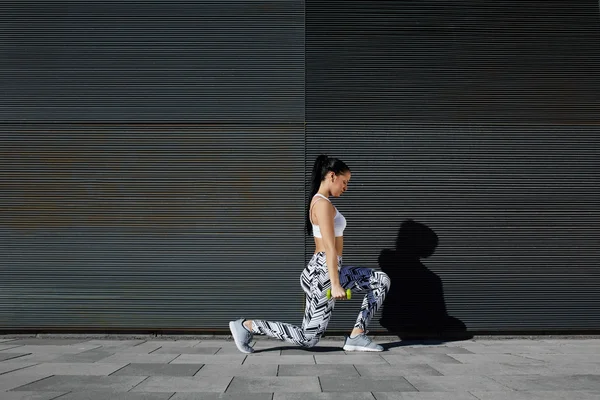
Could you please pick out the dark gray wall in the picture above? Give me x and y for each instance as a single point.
(152, 163)
(478, 119)
(154, 155)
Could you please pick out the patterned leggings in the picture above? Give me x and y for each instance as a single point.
(315, 282)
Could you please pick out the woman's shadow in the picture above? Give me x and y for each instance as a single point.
(415, 308)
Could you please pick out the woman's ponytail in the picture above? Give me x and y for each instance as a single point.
(318, 171)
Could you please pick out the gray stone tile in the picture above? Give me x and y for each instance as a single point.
(386, 384)
(318, 370)
(158, 370)
(102, 369)
(274, 384)
(493, 358)
(85, 357)
(30, 395)
(47, 342)
(140, 358)
(228, 350)
(54, 349)
(395, 359)
(252, 359)
(358, 359)
(436, 350)
(115, 343)
(176, 343)
(490, 369)
(397, 370)
(324, 396)
(8, 347)
(115, 396)
(424, 396)
(187, 350)
(222, 396)
(12, 381)
(233, 359)
(11, 356)
(591, 357)
(142, 348)
(550, 382)
(2, 340)
(178, 384)
(10, 366)
(454, 383)
(237, 370)
(320, 351)
(33, 358)
(539, 395)
(60, 383)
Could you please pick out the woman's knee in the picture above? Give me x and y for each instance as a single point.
(383, 279)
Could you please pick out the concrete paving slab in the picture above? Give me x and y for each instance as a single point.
(34, 358)
(140, 358)
(177, 343)
(237, 370)
(9, 366)
(8, 347)
(142, 348)
(420, 359)
(54, 349)
(436, 350)
(66, 383)
(222, 396)
(31, 395)
(539, 395)
(115, 343)
(454, 383)
(277, 384)
(323, 396)
(2, 340)
(11, 356)
(495, 358)
(187, 350)
(591, 357)
(252, 359)
(490, 369)
(158, 370)
(397, 370)
(85, 357)
(358, 359)
(157, 384)
(318, 370)
(550, 382)
(370, 384)
(47, 341)
(115, 396)
(424, 396)
(12, 381)
(101, 369)
(234, 359)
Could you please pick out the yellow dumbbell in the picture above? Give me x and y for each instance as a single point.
(348, 294)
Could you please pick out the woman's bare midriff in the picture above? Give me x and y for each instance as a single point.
(339, 245)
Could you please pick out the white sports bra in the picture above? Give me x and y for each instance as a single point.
(339, 222)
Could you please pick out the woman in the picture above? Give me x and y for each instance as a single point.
(330, 177)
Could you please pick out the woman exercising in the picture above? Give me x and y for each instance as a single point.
(330, 177)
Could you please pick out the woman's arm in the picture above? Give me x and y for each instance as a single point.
(325, 213)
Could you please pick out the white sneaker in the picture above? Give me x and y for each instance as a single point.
(361, 343)
(241, 335)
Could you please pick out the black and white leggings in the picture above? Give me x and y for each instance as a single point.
(315, 282)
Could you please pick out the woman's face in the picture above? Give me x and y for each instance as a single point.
(339, 184)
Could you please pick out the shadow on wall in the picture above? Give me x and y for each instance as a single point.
(415, 308)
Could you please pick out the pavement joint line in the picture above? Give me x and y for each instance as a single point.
(142, 381)
(229, 384)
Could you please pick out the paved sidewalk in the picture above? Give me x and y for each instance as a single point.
(212, 368)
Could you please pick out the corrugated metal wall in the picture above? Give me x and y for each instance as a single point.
(152, 162)
(153, 157)
(479, 120)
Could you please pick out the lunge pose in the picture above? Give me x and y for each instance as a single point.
(330, 177)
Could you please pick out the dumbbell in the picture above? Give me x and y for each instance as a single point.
(348, 294)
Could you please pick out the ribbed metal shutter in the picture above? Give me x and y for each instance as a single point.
(480, 121)
(151, 163)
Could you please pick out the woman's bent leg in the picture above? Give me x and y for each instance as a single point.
(316, 314)
(377, 285)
